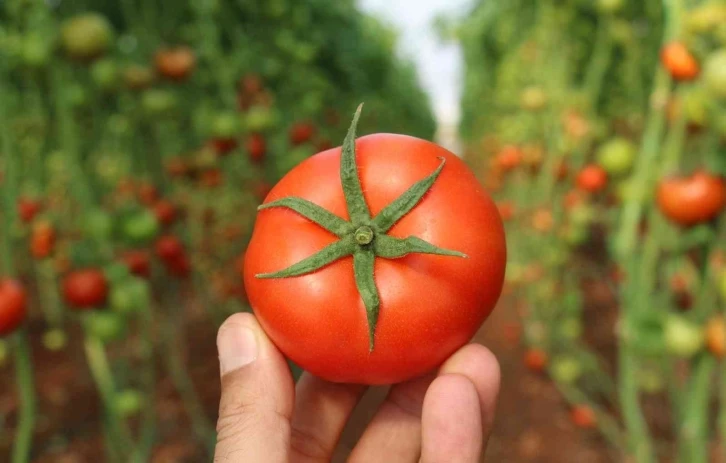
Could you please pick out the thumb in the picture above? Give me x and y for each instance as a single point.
(257, 395)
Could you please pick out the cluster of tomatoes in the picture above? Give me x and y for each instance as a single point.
(135, 147)
(611, 182)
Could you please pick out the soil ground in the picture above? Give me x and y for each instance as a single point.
(532, 422)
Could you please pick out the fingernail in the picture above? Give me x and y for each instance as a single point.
(237, 346)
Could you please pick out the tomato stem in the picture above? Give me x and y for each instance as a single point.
(26, 389)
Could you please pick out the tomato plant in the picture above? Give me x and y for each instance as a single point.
(692, 199)
(85, 289)
(337, 240)
(13, 305)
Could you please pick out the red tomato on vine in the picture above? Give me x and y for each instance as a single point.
(169, 247)
(28, 209)
(138, 263)
(375, 262)
(85, 289)
(691, 200)
(592, 178)
(165, 212)
(256, 147)
(13, 305)
(301, 132)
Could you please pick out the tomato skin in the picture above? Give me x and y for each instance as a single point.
(509, 158)
(256, 147)
(13, 305)
(175, 64)
(714, 74)
(138, 263)
(430, 305)
(301, 132)
(582, 416)
(85, 289)
(592, 178)
(536, 360)
(28, 209)
(165, 212)
(691, 200)
(42, 240)
(679, 62)
(169, 247)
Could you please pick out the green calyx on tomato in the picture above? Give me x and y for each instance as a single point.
(364, 237)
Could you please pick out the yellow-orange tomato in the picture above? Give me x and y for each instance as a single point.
(679, 61)
(175, 63)
(716, 336)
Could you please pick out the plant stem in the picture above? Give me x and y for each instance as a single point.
(26, 389)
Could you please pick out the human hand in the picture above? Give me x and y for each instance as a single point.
(265, 418)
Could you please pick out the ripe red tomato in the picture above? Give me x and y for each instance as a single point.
(13, 305)
(223, 146)
(211, 178)
(692, 200)
(301, 133)
(256, 147)
(169, 247)
(507, 209)
(582, 416)
(592, 178)
(430, 305)
(85, 289)
(148, 193)
(28, 209)
(509, 158)
(679, 61)
(175, 63)
(536, 360)
(165, 212)
(137, 262)
(179, 266)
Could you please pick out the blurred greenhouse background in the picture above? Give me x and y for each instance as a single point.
(138, 137)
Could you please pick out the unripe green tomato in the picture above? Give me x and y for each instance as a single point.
(714, 74)
(722, 285)
(566, 369)
(104, 325)
(138, 77)
(581, 215)
(119, 124)
(141, 227)
(55, 340)
(616, 156)
(116, 273)
(702, 19)
(650, 381)
(112, 166)
(259, 119)
(98, 224)
(533, 99)
(609, 6)
(157, 102)
(128, 402)
(571, 328)
(576, 235)
(36, 51)
(226, 125)
(129, 296)
(76, 95)
(105, 74)
(86, 36)
(682, 337)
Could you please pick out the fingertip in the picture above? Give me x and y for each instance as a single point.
(451, 421)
